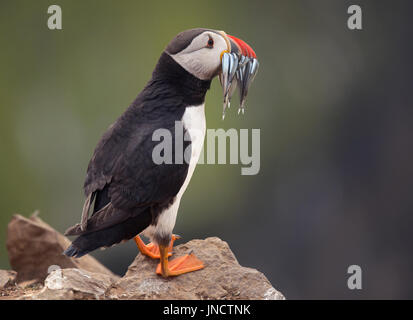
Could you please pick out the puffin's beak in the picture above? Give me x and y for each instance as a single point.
(239, 67)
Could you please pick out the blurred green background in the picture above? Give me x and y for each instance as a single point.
(334, 107)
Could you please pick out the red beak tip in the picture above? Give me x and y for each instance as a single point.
(246, 50)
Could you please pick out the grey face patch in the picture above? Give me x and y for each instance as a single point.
(184, 39)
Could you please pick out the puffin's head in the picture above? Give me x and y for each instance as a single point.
(206, 53)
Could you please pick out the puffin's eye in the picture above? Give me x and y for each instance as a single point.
(210, 43)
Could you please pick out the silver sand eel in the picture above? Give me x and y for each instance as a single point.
(237, 71)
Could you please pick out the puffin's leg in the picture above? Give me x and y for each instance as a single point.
(152, 250)
(177, 266)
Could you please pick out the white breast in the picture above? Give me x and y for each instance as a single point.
(194, 122)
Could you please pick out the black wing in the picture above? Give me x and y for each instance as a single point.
(122, 176)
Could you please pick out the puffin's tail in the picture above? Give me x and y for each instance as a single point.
(92, 240)
(73, 251)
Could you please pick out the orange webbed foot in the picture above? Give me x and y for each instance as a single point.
(152, 250)
(181, 265)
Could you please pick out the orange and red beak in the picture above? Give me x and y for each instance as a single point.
(239, 67)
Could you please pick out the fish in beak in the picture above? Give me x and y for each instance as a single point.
(239, 68)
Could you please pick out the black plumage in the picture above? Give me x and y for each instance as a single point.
(127, 189)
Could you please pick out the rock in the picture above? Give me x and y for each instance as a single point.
(43, 272)
(69, 284)
(7, 278)
(35, 249)
(222, 277)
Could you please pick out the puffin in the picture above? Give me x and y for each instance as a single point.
(129, 194)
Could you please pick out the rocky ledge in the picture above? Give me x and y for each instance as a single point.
(42, 272)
